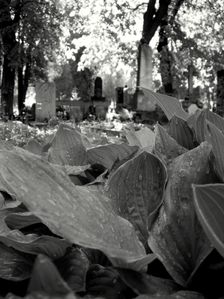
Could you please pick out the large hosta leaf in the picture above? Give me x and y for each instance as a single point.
(209, 202)
(136, 190)
(14, 265)
(176, 237)
(107, 155)
(181, 132)
(143, 138)
(170, 105)
(166, 148)
(216, 138)
(67, 147)
(72, 212)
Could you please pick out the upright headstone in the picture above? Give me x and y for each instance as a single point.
(45, 100)
(144, 78)
(98, 90)
(120, 95)
(98, 87)
(145, 75)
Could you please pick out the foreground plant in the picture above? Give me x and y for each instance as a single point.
(116, 221)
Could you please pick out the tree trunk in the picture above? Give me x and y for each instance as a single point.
(158, 17)
(7, 88)
(165, 58)
(20, 89)
(7, 32)
(24, 74)
(166, 71)
(220, 92)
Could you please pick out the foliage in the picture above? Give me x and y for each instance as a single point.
(116, 22)
(196, 38)
(128, 224)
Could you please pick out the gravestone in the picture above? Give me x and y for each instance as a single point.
(98, 90)
(145, 75)
(145, 78)
(120, 95)
(45, 100)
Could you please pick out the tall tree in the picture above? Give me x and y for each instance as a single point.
(162, 18)
(30, 33)
(7, 31)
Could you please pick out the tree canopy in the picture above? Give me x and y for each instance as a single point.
(102, 38)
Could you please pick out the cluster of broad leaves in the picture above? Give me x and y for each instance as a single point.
(140, 219)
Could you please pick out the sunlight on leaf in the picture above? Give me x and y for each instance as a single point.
(142, 138)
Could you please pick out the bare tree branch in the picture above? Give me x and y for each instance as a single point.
(139, 5)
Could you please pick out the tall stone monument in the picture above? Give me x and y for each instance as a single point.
(45, 100)
(144, 78)
(145, 72)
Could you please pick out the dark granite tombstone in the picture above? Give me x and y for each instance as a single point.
(98, 90)
(120, 95)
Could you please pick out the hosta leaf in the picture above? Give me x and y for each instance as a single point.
(40, 295)
(166, 148)
(176, 236)
(21, 220)
(142, 138)
(30, 243)
(170, 105)
(48, 142)
(200, 124)
(34, 147)
(216, 138)
(51, 246)
(136, 191)
(107, 155)
(142, 283)
(72, 212)
(14, 265)
(180, 131)
(46, 278)
(67, 147)
(209, 203)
